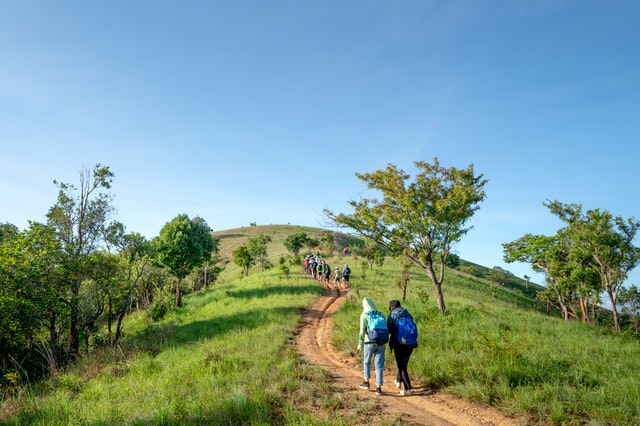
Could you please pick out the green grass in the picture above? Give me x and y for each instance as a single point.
(498, 350)
(227, 357)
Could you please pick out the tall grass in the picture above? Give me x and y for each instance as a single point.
(225, 358)
(494, 348)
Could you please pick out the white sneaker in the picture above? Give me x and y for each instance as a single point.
(405, 392)
(398, 384)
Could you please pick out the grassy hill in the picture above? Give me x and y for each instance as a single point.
(226, 357)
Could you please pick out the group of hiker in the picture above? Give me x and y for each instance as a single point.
(398, 330)
(318, 268)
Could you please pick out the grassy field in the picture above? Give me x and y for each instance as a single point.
(226, 357)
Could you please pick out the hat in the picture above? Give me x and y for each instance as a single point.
(394, 304)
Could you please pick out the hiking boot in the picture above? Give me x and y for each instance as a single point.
(364, 385)
(398, 384)
(405, 392)
(378, 390)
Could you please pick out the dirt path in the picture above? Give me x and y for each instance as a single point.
(421, 408)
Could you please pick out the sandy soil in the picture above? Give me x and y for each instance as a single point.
(423, 407)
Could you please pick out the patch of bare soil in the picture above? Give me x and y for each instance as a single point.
(423, 407)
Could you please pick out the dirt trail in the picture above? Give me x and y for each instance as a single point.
(421, 408)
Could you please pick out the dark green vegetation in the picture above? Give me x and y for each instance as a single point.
(226, 354)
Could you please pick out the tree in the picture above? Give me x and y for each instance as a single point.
(629, 299)
(373, 253)
(593, 253)
(295, 242)
(258, 248)
(184, 244)
(422, 218)
(80, 217)
(243, 258)
(604, 243)
(31, 294)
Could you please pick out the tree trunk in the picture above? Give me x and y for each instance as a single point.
(178, 294)
(74, 332)
(614, 309)
(440, 297)
(585, 310)
(53, 341)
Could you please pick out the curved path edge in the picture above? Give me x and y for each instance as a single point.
(313, 343)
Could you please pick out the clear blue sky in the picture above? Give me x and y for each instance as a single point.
(263, 111)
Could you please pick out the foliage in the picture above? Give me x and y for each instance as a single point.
(80, 217)
(594, 252)
(224, 358)
(184, 244)
(242, 257)
(420, 218)
(295, 242)
(257, 246)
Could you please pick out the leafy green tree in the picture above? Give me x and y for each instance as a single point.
(184, 244)
(373, 252)
(31, 295)
(603, 243)
(80, 218)
(421, 218)
(453, 261)
(327, 242)
(295, 242)
(243, 258)
(593, 253)
(258, 248)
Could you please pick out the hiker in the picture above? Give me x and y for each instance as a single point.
(371, 348)
(346, 272)
(402, 350)
(327, 274)
(337, 277)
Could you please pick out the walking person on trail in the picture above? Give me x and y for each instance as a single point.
(337, 277)
(397, 334)
(327, 274)
(371, 348)
(346, 273)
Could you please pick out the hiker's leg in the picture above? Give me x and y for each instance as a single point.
(366, 361)
(379, 363)
(402, 359)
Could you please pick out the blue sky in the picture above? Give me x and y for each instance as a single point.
(263, 111)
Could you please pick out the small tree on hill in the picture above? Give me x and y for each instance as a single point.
(184, 244)
(243, 258)
(258, 248)
(295, 242)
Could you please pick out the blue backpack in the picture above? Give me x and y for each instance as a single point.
(378, 331)
(407, 333)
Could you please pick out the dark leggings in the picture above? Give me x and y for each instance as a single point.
(403, 353)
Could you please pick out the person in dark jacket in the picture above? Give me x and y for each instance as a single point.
(402, 352)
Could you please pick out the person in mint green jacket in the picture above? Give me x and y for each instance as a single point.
(370, 349)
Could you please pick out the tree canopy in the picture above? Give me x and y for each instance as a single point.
(183, 245)
(422, 217)
(593, 253)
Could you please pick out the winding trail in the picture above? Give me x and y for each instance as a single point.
(421, 408)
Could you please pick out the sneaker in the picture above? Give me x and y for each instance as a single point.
(405, 392)
(378, 390)
(364, 385)
(398, 384)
